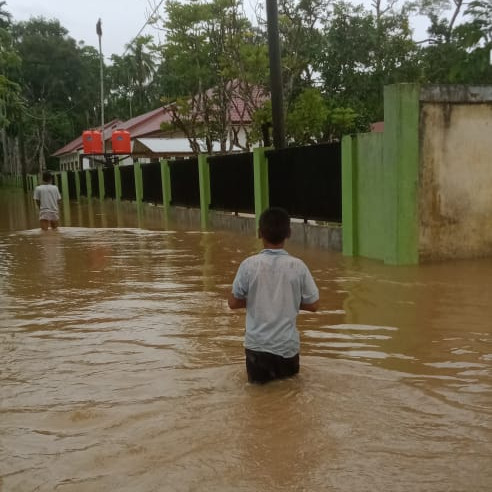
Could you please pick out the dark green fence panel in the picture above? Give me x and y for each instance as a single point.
(94, 182)
(232, 182)
(109, 186)
(307, 181)
(185, 185)
(72, 187)
(128, 183)
(152, 183)
(83, 183)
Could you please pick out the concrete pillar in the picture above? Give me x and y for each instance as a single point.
(260, 167)
(137, 169)
(100, 175)
(401, 170)
(117, 183)
(349, 196)
(204, 182)
(166, 183)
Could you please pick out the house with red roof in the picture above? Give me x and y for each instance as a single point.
(155, 134)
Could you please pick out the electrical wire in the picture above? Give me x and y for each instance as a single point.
(143, 27)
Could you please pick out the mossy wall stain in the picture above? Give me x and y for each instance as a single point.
(455, 197)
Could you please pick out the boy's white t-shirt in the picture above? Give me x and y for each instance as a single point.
(48, 196)
(274, 285)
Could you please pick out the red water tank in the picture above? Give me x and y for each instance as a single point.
(92, 141)
(121, 142)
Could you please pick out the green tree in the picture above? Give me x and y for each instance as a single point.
(307, 118)
(50, 77)
(457, 52)
(362, 52)
(301, 42)
(211, 49)
(10, 95)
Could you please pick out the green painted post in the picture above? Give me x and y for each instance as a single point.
(166, 184)
(65, 192)
(260, 168)
(117, 183)
(349, 196)
(137, 170)
(88, 183)
(100, 176)
(401, 170)
(204, 181)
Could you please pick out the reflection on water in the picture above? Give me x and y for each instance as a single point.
(122, 367)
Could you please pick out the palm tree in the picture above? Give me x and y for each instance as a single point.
(142, 68)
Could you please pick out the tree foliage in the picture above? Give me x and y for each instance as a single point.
(212, 71)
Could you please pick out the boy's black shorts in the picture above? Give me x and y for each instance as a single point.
(264, 366)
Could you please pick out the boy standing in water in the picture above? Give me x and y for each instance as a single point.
(273, 286)
(47, 197)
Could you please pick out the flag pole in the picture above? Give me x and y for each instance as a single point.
(99, 34)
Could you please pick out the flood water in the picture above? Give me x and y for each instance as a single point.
(122, 368)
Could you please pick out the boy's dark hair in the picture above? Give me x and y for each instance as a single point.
(274, 225)
(47, 177)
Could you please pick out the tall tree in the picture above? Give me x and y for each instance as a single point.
(50, 77)
(10, 98)
(209, 46)
(457, 52)
(363, 51)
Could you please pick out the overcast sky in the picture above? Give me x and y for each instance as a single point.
(121, 19)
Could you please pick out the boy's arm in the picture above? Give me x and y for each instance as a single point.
(313, 306)
(235, 303)
(311, 293)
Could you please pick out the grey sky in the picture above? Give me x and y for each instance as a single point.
(121, 20)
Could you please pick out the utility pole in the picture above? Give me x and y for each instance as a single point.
(101, 64)
(276, 89)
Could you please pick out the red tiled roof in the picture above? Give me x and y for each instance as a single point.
(377, 127)
(149, 124)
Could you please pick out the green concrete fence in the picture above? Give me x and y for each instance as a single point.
(380, 183)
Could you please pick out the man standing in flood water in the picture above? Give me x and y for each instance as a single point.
(273, 286)
(47, 197)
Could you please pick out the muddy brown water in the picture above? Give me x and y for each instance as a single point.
(122, 367)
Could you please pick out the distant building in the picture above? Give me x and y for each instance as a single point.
(377, 127)
(149, 141)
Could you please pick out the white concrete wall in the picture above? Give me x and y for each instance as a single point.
(455, 182)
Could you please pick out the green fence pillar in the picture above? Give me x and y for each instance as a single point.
(401, 170)
(204, 181)
(137, 169)
(100, 176)
(260, 168)
(349, 196)
(166, 184)
(117, 183)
